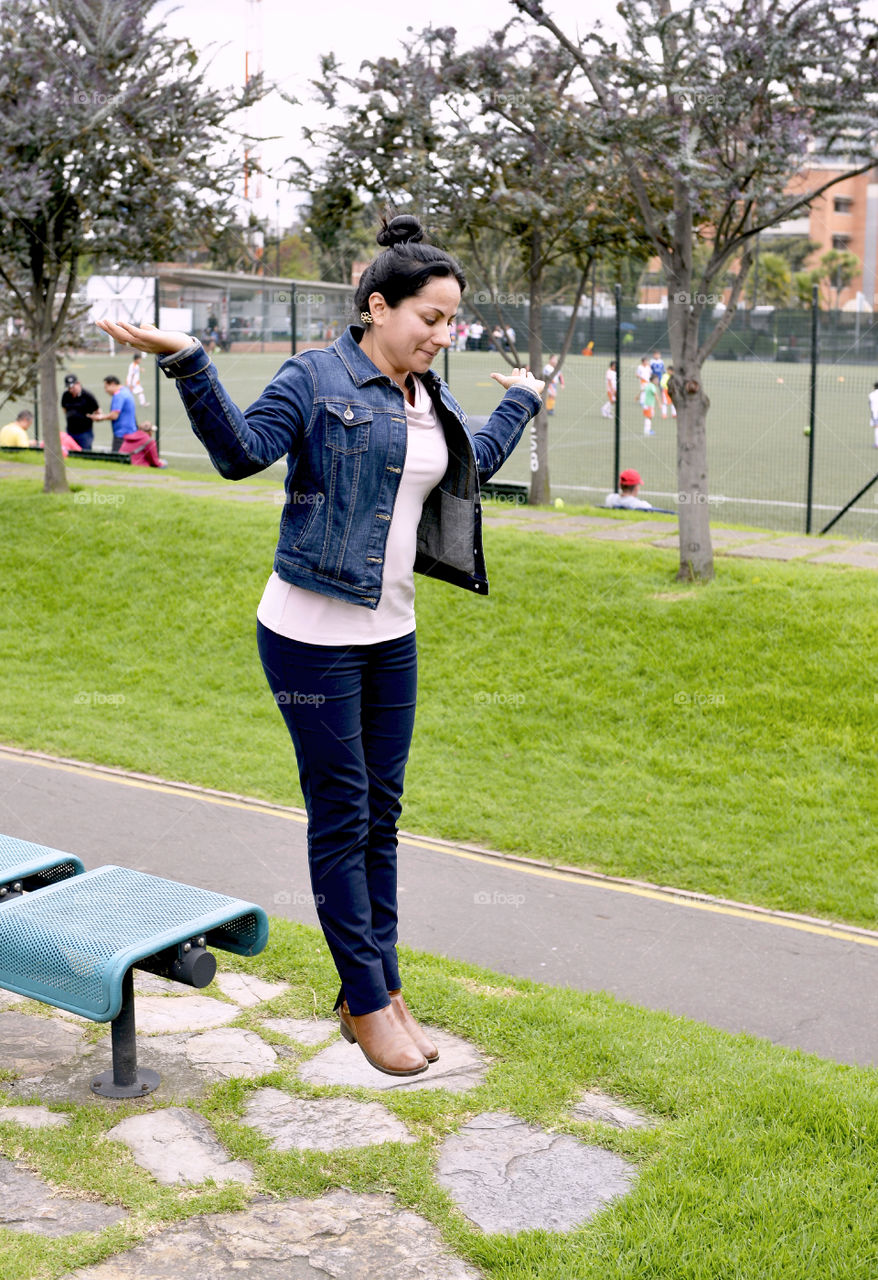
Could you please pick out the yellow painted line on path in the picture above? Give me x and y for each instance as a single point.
(504, 861)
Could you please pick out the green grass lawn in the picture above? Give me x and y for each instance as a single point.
(760, 1164)
(758, 455)
(591, 711)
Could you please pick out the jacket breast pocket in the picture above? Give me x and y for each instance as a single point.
(347, 427)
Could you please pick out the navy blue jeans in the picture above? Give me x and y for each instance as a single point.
(350, 711)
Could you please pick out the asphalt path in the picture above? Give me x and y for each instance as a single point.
(805, 984)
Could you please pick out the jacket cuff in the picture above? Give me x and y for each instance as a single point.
(186, 363)
(525, 396)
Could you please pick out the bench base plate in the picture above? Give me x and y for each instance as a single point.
(146, 1081)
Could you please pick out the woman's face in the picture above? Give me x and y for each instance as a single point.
(407, 338)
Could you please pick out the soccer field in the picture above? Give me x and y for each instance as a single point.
(757, 446)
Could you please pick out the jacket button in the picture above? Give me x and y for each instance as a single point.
(348, 415)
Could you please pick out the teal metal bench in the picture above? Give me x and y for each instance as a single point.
(75, 943)
(25, 866)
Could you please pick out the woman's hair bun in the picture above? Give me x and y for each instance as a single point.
(401, 230)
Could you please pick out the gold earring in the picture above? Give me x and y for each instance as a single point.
(365, 317)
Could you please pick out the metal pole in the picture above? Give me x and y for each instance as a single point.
(617, 428)
(847, 506)
(158, 372)
(292, 317)
(445, 365)
(812, 418)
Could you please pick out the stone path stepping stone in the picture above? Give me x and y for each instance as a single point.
(305, 1030)
(157, 1015)
(507, 1176)
(150, 984)
(34, 1117)
(460, 1067)
(231, 1051)
(595, 1105)
(321, 1124)
(31, 1046)
(247, 990)
(176, 1146)
(340, 1236)
(28, 1203)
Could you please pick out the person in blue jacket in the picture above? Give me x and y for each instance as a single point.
(382, 481)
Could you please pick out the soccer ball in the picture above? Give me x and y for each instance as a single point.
(559, 502)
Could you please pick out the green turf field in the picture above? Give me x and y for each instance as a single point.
(758, 453)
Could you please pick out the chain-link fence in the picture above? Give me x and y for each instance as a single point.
(764, 440)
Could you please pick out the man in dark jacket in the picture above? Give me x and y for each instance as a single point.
(77, 405)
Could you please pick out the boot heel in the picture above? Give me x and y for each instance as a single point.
(346, 1032)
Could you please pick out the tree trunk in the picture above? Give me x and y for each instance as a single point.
(55, 477)
(696, 550)
(539, 427)
(691, 404)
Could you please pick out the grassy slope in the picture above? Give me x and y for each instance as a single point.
(591, 711)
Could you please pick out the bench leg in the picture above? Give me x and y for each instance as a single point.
(125, 1081)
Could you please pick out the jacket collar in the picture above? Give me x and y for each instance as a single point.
(358, 365)
(362, 370)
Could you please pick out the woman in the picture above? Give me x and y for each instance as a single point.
(382, 479)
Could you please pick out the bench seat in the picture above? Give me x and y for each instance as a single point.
(28, 866)
(74, 944)
(70, 944)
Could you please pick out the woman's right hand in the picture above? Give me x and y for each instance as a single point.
(146, 337)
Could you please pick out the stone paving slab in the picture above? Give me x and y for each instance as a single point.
(33, 1117)
(597, 1105)
(28, 1203)
(460, 1067)
(232, 1052)
(32, 1045)
(862, 556)
(247, 990)
(157, 1015)
(786, 548)
(304, 1030)
(341, 1236)
(321, 1124)
(177, 1146)
(508, 1176)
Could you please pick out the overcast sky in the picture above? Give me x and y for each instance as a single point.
(294, 36)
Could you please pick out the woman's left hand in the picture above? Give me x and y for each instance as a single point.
(519, 378)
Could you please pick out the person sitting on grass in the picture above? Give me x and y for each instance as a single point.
(629, 483)
(142, 448)
(14, 434)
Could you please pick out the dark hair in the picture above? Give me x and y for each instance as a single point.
(405, 266)
(112, 378)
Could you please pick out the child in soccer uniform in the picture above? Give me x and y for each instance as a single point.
(667, 402)
(644, 375)
(651, 400)
(132, 378)
(873, 413)
(554, 381)
(612, 383)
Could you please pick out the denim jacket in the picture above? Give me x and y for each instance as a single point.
(342, 425)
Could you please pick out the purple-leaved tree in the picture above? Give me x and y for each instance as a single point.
(714, 110)
(111, 148)
(490, 147)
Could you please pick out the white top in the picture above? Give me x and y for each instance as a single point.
(628, 501)
(873, 402)
(308, 616)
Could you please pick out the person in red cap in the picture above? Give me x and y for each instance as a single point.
(629, 483)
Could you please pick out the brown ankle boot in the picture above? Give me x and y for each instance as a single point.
(405, 1019)
(386, 1045)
